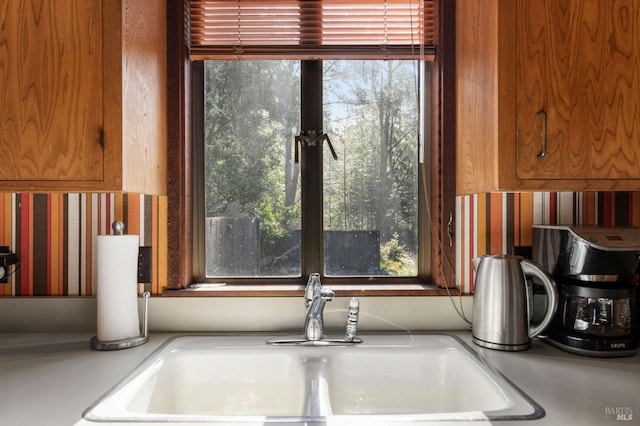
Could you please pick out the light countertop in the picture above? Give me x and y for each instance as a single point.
(51, 378)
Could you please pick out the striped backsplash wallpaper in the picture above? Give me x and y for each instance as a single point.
(494, 223)
(54, 236)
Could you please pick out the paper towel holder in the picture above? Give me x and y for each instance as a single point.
(131, 342)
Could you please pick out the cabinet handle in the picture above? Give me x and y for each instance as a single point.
(450, 231)
(543, 134)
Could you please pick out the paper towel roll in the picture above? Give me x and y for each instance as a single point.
(116, 294)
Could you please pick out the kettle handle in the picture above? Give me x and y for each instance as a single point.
(531, 269)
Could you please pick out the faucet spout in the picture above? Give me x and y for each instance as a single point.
(314, 323)
(312, 289)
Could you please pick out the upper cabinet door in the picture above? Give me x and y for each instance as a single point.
(578, 89)
(51, 90)
(548, 95)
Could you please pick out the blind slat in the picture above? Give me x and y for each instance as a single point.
(319, 29)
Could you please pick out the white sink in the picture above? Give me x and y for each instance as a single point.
(389, 379)
(411, 381)
(198, 382)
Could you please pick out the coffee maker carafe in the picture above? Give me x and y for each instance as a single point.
(597, 271)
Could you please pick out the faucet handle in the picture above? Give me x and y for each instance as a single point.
(352, 320)
(312, 289)
(326, 294)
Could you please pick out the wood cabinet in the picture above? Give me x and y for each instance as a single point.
(83, 95)
(548, 95)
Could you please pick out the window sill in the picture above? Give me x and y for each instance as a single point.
(341, 290)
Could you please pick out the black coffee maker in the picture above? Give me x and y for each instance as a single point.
(597, 271)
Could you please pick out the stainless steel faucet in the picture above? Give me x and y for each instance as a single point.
(312, 289)
(314, 323)
(315, 299)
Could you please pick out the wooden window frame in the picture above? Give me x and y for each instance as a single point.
(181, 184)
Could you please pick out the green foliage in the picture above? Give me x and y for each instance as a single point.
(252, 112)
(251, 108)
(395, 259)
(371, 111)
(277, 219)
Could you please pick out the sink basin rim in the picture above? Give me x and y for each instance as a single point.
(248, 340)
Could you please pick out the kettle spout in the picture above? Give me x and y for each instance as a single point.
(476, 263)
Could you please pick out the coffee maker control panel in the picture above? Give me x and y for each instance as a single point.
(609, 237)
(581, 251)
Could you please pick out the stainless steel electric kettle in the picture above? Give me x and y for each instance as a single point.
(501, 302)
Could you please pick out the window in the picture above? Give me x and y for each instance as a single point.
(261, 91)
(366, 202)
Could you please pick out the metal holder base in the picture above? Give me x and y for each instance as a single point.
(131, 342)
(301, 341)
(118, 344)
